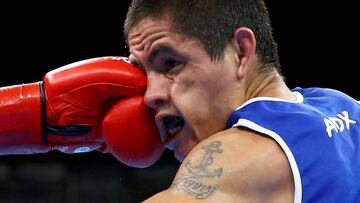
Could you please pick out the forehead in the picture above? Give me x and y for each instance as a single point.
(157, 26)
(150, 34)
(146, 25)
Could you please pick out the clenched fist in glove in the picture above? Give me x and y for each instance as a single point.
(94, 104)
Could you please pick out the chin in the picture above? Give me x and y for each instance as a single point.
(183, 148)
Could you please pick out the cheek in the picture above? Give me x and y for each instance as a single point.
(194, 100)
(187, 102)
(188, 96)
(200, 93)
(202, 98)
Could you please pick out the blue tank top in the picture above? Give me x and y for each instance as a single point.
(320, 135)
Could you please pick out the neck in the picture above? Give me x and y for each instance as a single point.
(266, 85)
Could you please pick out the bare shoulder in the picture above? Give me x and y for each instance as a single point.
(233, 166)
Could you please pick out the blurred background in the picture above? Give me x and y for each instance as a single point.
(318, 44)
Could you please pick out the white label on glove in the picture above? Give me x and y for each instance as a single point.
(82, 149)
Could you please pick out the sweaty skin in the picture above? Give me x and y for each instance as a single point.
(234, 165)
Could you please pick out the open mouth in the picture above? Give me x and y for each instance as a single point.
(173, 125)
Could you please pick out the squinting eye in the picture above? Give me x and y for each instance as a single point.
(169, 64)
(172, 67)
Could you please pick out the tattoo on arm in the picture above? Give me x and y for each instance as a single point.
(191, 180)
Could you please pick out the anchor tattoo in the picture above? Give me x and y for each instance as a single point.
(190, 182)
(201, 170)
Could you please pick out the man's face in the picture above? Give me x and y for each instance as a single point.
(193, 96)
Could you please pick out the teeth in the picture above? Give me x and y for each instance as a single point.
(173, 124)
(173, 131)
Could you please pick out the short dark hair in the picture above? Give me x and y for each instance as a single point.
(212, 22)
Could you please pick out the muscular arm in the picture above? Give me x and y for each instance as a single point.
(232, 166)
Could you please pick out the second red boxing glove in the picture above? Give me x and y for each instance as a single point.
(129, 129)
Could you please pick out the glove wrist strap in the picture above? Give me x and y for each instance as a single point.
(44, 140)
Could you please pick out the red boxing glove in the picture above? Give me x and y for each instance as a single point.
(65, 112)
(129, 135)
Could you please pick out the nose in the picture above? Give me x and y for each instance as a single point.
(156, 94)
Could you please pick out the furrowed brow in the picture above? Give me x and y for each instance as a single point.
(154, 54)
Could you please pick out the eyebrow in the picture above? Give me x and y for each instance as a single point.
(159, 50)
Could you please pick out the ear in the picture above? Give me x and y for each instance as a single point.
(245, 45)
